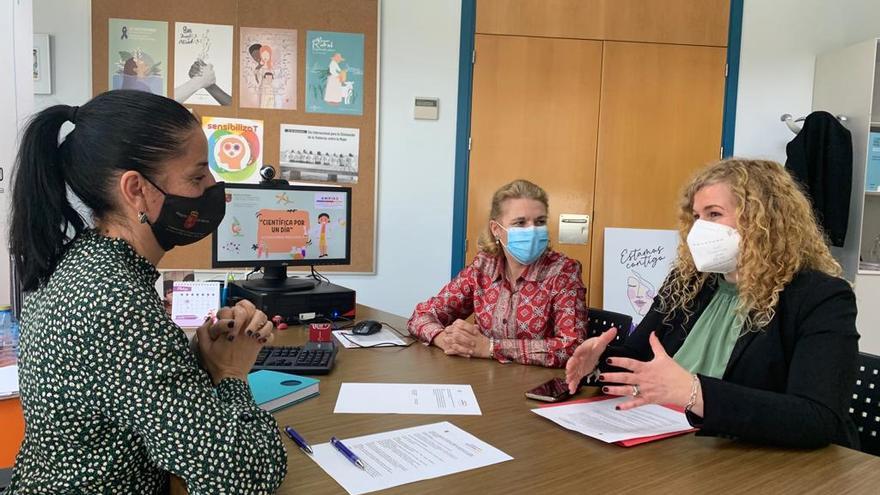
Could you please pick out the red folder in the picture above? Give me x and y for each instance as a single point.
(633, 441)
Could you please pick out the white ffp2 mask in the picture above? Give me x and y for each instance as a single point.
(714, 247)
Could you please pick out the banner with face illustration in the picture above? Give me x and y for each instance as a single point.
(636, 264)
(235, 148)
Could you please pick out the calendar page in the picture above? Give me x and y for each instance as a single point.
(192, 301)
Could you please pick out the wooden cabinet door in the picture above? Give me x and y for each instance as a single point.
(661, 117)
(682, 22)
(534, 116)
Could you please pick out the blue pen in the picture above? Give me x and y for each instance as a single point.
(224, 291)
(351, 456)
(297, 439)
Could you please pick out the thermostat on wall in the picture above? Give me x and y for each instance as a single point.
(427, 108)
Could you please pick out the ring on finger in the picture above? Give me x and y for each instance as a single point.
(636, 391)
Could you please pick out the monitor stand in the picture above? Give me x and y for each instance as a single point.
(275, 279)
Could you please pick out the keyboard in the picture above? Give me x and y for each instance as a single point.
(312, 359)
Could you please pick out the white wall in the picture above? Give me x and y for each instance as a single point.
(16, 101)
(69, 22)
(420, 40)
(780, 41)
(419, 57)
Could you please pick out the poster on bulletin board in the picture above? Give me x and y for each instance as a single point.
(335, 73)
(316, 153)
(235, 148)
(138, 57)
(202, 64)
(267, 66)
(636, 264)
(270, 63)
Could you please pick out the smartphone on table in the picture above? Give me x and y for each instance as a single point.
(554, 390)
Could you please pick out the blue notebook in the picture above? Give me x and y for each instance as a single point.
(273, 390)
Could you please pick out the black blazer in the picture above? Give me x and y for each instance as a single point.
(788, 384)
(821, 158)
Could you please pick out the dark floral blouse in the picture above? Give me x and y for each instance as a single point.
(114, 398)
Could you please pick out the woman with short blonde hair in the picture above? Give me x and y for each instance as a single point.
(753, 332)
(528, 301)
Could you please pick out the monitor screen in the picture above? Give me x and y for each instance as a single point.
(284, 225)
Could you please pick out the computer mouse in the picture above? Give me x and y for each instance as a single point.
(366, 327)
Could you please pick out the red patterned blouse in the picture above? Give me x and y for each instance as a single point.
(540, 320)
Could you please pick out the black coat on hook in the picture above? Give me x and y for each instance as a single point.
(821, 158)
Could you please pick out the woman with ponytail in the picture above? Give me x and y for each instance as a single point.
(114, 398)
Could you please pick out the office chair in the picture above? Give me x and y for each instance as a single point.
(865, 406)
(599, 320)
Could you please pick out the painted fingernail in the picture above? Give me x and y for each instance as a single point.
(617, 408)
(602, 377)
(263, 340)
(250, 333)
(230, 337)
(608, 360)
(605, 389)
(230, 324)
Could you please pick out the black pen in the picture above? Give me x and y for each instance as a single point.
(297, 439)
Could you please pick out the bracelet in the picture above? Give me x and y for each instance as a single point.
(695, 385)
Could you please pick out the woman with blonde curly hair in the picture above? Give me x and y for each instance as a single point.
(753, 331)
(527, 300)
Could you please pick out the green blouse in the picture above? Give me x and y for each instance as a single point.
(709, 344)
(114, 398)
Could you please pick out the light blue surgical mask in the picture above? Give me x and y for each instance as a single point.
(526, 244)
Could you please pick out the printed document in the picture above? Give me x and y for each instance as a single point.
(406, 398)
(403, 456)
(599, 419)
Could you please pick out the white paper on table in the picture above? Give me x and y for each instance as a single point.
(599, 419)
(403, 456)
(406, 398)
(350, 340)
(9, 381)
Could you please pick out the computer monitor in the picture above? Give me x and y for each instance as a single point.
(277, 225)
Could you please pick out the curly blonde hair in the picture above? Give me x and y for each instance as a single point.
(517, 189)
(780, 237)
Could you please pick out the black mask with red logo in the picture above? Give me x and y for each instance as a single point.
(184, 220)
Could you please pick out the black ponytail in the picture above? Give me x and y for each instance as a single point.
(114, 132)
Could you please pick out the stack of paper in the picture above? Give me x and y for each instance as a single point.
(403, 456)
(598, 418)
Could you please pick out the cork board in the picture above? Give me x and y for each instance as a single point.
(347, 16)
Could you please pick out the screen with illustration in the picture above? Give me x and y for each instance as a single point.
(284, 225)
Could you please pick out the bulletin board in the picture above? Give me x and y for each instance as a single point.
(341, 16)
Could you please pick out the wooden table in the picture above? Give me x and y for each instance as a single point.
(548, 458)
